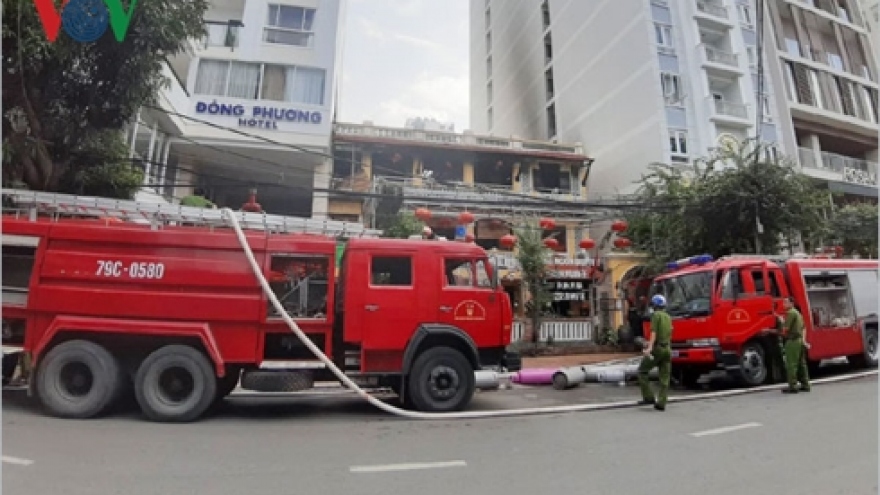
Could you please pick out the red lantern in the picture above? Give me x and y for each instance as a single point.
(547, 223)
(508, 241)
(551, 243)
(619, 226)
(587, 243)
(622, 243)
(423, 214)
(465, 218)
(469, 238)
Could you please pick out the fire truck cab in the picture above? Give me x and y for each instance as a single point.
(724, 312)
(98, 309)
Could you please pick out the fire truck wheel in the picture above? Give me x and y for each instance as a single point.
(176, 383)
(78, 379)
(441, 380)
(868, 359)
(753, 365)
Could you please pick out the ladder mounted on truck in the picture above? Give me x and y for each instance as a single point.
(158, 214)
(776, 258)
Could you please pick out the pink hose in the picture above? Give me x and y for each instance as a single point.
(540, 376)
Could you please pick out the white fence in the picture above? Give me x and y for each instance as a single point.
(561, 331)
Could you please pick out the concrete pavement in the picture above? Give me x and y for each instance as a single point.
(824, 442)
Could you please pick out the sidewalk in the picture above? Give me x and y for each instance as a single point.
(574, 360)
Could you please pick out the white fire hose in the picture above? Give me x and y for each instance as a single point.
(258, 273)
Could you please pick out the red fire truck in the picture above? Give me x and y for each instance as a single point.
(100, 306)
(724, 312)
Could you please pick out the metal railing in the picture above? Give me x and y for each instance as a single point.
(560, 331)
(847, 168)
(713, 9)
(718, 56)
(345, 129)
(729, 109)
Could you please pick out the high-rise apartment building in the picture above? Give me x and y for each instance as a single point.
(250, 106)
(645, 81)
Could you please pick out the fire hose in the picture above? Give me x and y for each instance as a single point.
(348, 382)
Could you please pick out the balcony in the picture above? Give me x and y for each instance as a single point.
(720, 61)
(713, 14)
(221, 35)
(727, 112)
(841, 168)
(481, 197)
(367, 130)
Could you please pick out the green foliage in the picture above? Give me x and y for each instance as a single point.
(66, 96)
(531, 254)
(714, 206)
(401, 226)
(854, 226)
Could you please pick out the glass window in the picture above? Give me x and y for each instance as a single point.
(686, 294)
(300, 282)
(459, 273)
(758, 280)
(391, 270)
(731, 285)
(289, 25)
(483, 278)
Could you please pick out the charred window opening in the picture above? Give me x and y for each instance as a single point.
(494, 171)
(443, 168)
(300, 282)
(348, 171)
(393, 164)
(552, 178)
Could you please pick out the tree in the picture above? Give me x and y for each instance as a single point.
(531, 254)
(854, 227)
(736, 201)
(65, 102)
(404, 225)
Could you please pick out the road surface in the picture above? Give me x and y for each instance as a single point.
(823, 443)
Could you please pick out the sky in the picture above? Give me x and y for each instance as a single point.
(405, 58)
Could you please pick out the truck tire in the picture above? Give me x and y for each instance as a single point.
(754, 370)
(78, 379)
(867, 359)
(441, 380)
(175, 384)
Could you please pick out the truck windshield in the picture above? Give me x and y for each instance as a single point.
(686, 295)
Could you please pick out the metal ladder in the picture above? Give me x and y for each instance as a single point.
(158, 214)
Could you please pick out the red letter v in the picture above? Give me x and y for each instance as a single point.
(49, 17)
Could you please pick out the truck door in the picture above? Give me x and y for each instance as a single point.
(744, 305)
(468, 301)
(382, 307)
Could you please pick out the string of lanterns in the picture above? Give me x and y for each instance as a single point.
(508, 241)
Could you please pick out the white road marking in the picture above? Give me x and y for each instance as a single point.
(726, 429)
(17, 460)
(406, 467)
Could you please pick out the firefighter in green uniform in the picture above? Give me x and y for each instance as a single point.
(795, 347)
(657, 354)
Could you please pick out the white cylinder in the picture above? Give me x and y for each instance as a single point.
(567, 378)
(487, 380)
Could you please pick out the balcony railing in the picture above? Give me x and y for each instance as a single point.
(465, 139)
(221, 35)
(846, 168)
(718, 56)
(730, 109)
(713, 9)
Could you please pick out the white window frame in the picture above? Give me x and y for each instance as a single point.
(259, 89)
(765, 108)
(671, 86)
(663, 37)
(746, 18)
(309, 33)
(816, 88)
(869, 105)
(752, 56)
(679, 137)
